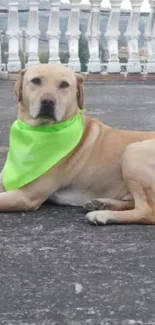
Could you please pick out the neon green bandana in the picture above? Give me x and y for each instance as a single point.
(35, 149)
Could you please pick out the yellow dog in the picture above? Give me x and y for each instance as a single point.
(109, 171)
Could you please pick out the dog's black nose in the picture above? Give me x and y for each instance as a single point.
(47, 102)
(47, 109)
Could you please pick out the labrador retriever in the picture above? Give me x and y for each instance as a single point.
(110, 172)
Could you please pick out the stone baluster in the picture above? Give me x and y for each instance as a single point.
(3, 72)
(13, 34)
(1, 39)
(73, 34)
(33, 33)
(93, 37)
(53, 32)
(132, 33)
(112, 35)
(150, 39)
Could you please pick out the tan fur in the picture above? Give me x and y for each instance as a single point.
(113, 170)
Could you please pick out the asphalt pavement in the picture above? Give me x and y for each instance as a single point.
(55, 268)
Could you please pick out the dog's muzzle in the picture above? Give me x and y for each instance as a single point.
(47, 109)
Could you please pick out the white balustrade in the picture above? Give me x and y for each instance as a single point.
(132, 34)
(73, 34)
(112, 35)
(93, 37)
(33, 33)
(53, 32)
(30, 45)
(150, 39)
(1, 65)
(13, 34)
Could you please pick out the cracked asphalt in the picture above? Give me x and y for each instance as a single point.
(55, 268)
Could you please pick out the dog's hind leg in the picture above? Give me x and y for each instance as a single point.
(138, 166)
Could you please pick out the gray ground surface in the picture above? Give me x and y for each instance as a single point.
(55, 269)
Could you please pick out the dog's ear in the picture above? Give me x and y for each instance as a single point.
(80, 90)
(19, 84)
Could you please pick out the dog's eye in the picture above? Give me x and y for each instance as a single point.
(64, 84)
(36, 81)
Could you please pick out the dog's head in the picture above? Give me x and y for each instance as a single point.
(48, 93)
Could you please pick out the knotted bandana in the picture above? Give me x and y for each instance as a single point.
(33, 150)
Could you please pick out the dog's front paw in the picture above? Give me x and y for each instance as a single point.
(98, 217)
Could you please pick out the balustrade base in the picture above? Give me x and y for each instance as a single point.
(75, 66)
(150, 67)
(31, 63)
(113, 66)
(2, 67)
(54, 61)
(3, 74)
(133, 67)
(94, 66)
(13, 66)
